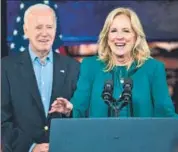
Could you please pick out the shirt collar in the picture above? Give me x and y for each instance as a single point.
(34, 57)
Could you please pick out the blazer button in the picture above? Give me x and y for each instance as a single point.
(46, 128)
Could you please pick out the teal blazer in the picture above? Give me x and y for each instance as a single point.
(150, 96)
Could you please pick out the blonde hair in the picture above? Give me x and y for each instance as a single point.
(38, 6)
(140, 51)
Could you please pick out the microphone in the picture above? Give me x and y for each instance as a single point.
(127, 93)
(107, 92)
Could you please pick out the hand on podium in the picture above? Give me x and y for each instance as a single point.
(61, 105)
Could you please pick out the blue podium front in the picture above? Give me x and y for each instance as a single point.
(114, 135)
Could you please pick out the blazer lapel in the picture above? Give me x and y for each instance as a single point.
(29, 80)
(59, 74)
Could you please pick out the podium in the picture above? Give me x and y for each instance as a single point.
(114, 135)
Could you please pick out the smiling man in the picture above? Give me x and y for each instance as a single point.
(31, 81)
(40, 28)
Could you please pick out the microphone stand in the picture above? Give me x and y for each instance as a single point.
(131, 109)
(114, 108)
(128, 100)
(111, 109)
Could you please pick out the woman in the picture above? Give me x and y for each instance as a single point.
(122, 53)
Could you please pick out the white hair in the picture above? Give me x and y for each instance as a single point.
(38, 6)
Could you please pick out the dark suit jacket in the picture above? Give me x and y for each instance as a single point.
(23, 116)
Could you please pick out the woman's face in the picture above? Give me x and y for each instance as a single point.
(121, 37)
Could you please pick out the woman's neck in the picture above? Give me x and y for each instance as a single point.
(123, 60)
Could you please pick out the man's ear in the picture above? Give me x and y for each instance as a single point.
(25, 31)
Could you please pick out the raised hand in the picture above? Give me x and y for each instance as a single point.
(61, 105)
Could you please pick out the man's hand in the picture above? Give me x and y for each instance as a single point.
(44, 147)
(61, 105)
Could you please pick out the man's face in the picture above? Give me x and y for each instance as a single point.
(40, 30)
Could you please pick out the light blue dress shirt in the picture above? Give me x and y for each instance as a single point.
(44, 77)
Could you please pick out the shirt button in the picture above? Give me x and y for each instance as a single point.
(46, 128)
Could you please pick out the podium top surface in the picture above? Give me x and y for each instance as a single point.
(114, 135)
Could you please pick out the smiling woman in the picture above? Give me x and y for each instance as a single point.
(125, 40)
(121, 39)
(123, 54)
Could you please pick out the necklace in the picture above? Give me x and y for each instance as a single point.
(121, 73)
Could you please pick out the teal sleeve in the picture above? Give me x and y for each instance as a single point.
(81, 97)
(163, 105)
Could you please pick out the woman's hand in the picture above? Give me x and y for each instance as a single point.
(61, 105)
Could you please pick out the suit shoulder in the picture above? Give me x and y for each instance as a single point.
(70, 59)
(9, 60)
(67, 59)
(6, 59)
(92, 65)
(152, 62)
(153, 66)
(91, 58)
(92, 61)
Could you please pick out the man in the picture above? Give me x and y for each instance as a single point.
(31, 81)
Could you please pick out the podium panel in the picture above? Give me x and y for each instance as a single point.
(114, 135)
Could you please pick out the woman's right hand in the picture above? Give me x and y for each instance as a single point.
(61, 105)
